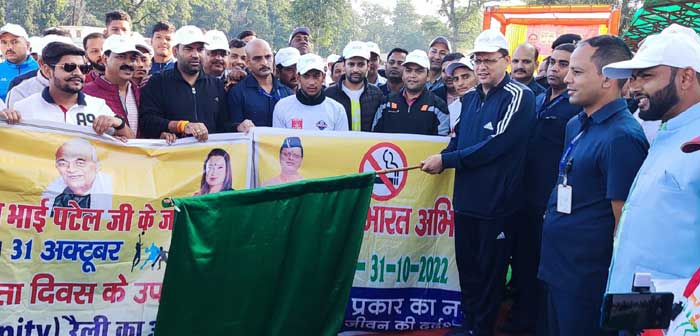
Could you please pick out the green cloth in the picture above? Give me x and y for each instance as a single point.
(269, 261)
(656, 15)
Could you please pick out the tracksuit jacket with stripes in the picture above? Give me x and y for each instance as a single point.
(489, 148)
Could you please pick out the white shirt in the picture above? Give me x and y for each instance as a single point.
(132, 110)
(27, 88)
(2, 105)
(327, 116)
(650, 127)
(40, 106)
(380, 80)
(455, 110)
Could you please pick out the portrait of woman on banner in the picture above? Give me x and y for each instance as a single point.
(216, 175)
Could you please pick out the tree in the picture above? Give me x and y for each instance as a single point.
(374, 23)
(330, 22)
(405, 29)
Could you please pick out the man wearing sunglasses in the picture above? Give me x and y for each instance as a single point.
(63, 100)
(488, 155)
(116, 86)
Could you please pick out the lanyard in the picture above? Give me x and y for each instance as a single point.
(547, 107)
(565, 163)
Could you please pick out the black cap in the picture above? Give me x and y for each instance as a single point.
(299, 30)
(566, 38)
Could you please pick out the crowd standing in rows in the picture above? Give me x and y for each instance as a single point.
(544, 162)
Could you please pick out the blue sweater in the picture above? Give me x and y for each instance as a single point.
(489, 148)
(9, 70)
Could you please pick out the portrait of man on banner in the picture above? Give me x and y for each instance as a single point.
(80, 179)
(291, 157)
(217, 175)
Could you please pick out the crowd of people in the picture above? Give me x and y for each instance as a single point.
(552, 169)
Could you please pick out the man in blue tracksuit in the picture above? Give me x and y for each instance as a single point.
(488, 154)
(15, 49)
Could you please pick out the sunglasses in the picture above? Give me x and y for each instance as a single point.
(70, 67)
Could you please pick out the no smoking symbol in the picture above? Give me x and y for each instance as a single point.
(385, 155)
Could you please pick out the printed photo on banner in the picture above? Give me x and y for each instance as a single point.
(291, 157)
(80, 182)
(217, 173)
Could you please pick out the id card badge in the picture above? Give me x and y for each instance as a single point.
(564, 193)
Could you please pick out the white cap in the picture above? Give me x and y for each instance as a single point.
(418, 57)
(120, 44)
(676, 46)
(462, 62)
(188, 35)
(38, 45)
(489, 41)
(141, 42)
(216, 40)
(310, 62)
(332, 58)
(373, 48)
(287, 56)
(14, 29)
(356, 49)
(35, 44)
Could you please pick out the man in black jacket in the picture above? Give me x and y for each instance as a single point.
(360, 99)
(184, 101)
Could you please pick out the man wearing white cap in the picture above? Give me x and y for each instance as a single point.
(330, 61)
(286, 67)
(184, 101)
(63, 100)
(116, 86)
(216, 55)
(360, 99)
(373, 76)
(415, 109)
(487, 153)
(309, 108)
(663, 208)
(604, 148)
(14, 45)
(40, 80)
(463, 79)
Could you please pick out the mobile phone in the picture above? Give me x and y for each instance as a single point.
(637, 311)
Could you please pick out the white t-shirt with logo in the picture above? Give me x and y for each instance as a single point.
(327, 116)
(36, 107)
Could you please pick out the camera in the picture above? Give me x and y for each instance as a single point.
(641, 309)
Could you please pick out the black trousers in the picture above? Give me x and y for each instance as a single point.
(525, 260)
(482, 250)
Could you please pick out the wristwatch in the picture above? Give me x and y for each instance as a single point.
(122, 125)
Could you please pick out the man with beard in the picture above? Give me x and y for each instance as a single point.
(161, 39)
(116, 86)
(523, 67)
(309, 108)
(544, 151)
(447, 91)
(36, 81)
(594, 180)
(14, 45)
(661, 213)
(359, 98)
(487, 153)
(373, 76)
(216, 55)
(301, 39)
(394, 71)
(415, 110)
(63, 100)
(286, 67)
(184, 101)
(251, 101)
(92, 43)
(439, 48)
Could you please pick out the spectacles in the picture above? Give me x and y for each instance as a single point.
(70, 67)
(485, 61)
